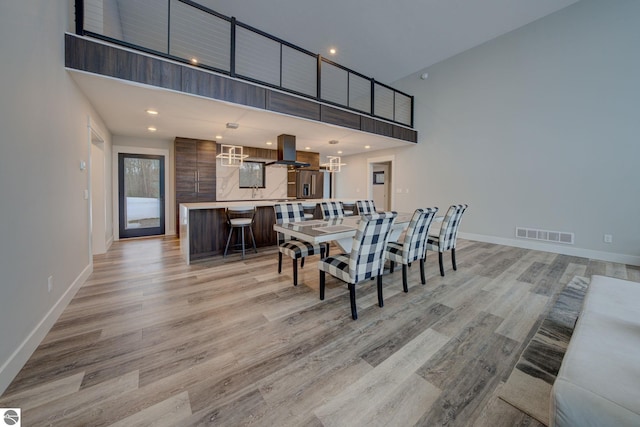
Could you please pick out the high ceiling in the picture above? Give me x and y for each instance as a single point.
(386, 40)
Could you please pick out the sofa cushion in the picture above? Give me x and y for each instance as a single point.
(600, 374)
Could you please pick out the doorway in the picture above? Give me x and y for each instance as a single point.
(141, 188)
(381, 182)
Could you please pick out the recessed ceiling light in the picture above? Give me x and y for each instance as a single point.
(218, 136)
(231, 125)
(332, 51)
(269, 142)
(307, 148)
(152, 112)
(367, 146)
(340, 152)
(151, 129)
(333, 142)
(194, 60)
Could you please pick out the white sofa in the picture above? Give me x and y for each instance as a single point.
(599, 380)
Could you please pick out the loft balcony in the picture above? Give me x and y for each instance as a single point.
(183, 46)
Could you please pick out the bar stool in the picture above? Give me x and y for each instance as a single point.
(309, 209)
(240, 217)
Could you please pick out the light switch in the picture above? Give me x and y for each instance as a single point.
(86, 194)
(83, 165)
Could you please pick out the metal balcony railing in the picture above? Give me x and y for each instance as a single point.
(185, 31)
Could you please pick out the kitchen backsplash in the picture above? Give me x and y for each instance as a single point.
(228, 184)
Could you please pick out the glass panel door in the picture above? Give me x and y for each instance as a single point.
(141, 195)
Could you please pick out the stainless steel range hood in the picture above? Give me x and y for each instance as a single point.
(287, 153)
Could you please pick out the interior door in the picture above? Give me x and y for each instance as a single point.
(141, 195)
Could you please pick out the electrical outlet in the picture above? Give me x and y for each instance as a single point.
(608, 238)
(50, 283)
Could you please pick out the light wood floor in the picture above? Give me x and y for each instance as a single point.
(151, 341)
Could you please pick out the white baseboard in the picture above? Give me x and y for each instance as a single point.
(558, 249)
(109, 242)
(17, 360)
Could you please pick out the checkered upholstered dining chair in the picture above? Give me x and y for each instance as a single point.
(365, 207)
(296, 249)
(366, 259)
(414, 246)
(348, 208)
(331, 210)
(445, 240)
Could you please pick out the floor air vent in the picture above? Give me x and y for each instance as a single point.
(545, 235)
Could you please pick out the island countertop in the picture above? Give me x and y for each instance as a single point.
(203, 227)
(258, 203)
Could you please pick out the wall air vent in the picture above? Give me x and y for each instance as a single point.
(545, 235)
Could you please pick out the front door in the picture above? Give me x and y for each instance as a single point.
(141, 195)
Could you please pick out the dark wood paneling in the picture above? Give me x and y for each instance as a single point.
(195, 172)
(263, 226)
(200, 83)
(242, 93)
(265, 153)
(88, 55)
(339, 117)
(186, 158)
(288, 104)
(259, 154)
(206, 151)
(155, 72)
(376, 126)
(387, 129)
(217, 87)
(251, 152)
(405, 134)
(291, 183)
(208, 231)
(309, 157)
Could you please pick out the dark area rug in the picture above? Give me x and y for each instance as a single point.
(529, 385)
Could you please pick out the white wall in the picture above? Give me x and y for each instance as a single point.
(44, 227)
(100, 191)
(537, 128)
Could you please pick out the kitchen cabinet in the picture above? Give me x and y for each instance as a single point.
(195, 172)
(259, 154)
(308, 157)
(291, 183)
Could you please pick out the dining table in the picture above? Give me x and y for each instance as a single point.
(339, 230)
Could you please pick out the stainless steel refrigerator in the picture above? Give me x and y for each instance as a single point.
(309, 184)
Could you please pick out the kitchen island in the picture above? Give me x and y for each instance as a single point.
(204, 230)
